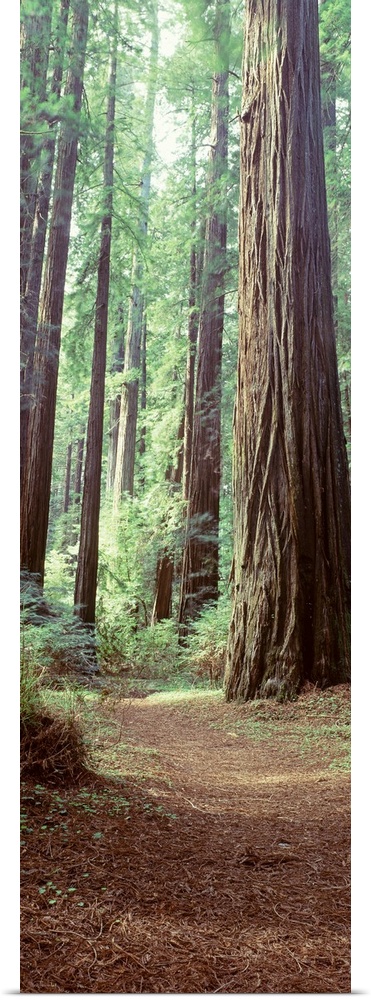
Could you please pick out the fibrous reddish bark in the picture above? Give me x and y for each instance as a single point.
(37, 475)
(291, 488)
(35, 253)
(35, 44)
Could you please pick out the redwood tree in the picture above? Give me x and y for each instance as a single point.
(290, 617)
(38, 467)
(35, 253)
(200, 573)
(36, 19)
(126, 444)
(87, 564)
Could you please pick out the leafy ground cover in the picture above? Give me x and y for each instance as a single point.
(206, 851)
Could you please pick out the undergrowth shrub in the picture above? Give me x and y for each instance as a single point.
(207, 643)
(127, 645)
(52, 744)
(54, 642)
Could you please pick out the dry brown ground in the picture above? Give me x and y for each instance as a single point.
(210, 855)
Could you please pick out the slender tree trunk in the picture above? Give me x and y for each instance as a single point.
(200, 572)
(291, 488)
(126, 447)
(30, 303)
(114, 415)
(37, 475)
(35, 43)
(77, 483)
(78, 470)
(67, 480)
(143, 389)
(192, 328)
(165, 563)
(87, 565)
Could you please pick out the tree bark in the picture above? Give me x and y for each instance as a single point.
(87, 564)
(37, 475)
(290, 618)
(32, 280)
(200, 574)
(126, 447)
(35, 43)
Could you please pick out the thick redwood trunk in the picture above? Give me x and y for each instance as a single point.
(200, 573)
(291, 489)
(30, 301)
(87, 565)
(35, 43)
(37, 475)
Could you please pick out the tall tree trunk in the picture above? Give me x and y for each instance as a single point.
(143, 389)
(165, 563)
(291, 487)
(126, 447)
(77, 483)
(192, 327)
(200, 573)
(78, 469)
(87, 565)
(67, 480)
(35, 43)
(114, 416)
(30, 303)
(37, 475)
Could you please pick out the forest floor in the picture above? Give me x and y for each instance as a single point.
(208, 852)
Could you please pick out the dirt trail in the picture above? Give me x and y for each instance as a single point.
(232, 875)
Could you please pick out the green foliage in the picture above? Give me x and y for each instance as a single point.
(127, 646)
(207, 643)
(55, 647)
(30, 698)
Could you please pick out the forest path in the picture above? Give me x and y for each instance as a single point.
(217, 855)
(219, 770)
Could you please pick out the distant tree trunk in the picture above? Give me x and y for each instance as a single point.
(114, 417)
(67, 480)
(164, 588)
(192, 328)
(77, 483)
(143, 388)
(87, 564)
(30, 302)
(37, 475)
(35, 43)
(126, 447)
(291, 489)
(165, 564)
(78, 470)
(200, 574)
